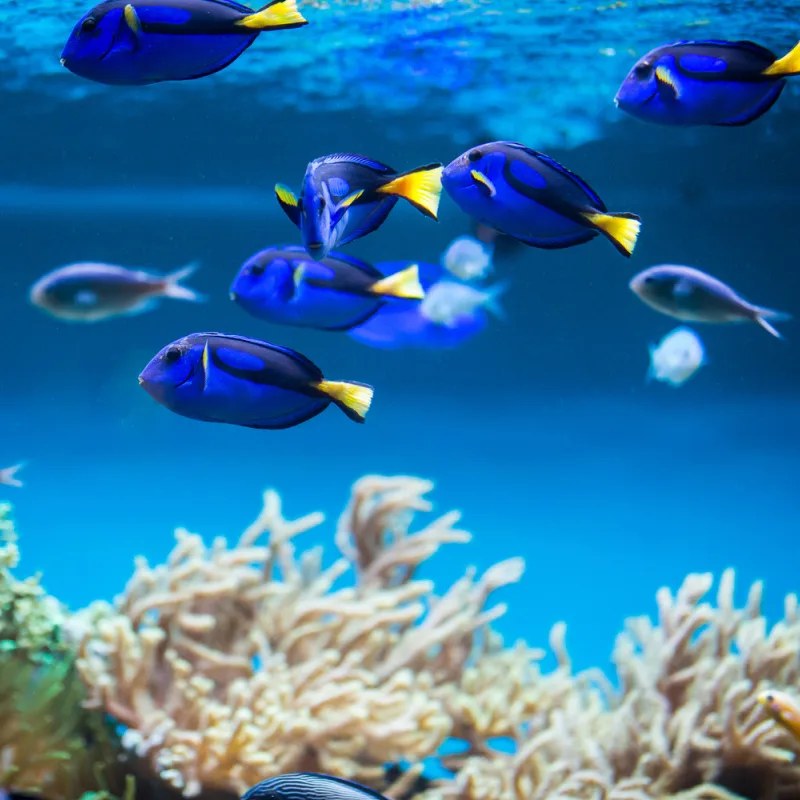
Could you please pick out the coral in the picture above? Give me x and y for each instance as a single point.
(49, 745)
(683, 722)
(232, 664)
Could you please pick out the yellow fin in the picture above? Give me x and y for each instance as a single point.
(622, 229)
(788, 65)
(665, 76)
(132, 19)
(274, 16)
(402, 284)
(353, 398)
(298, 273)
(422, 188)
(483, 181)
(285, 195)
(206, 365)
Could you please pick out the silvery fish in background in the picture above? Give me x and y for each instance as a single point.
(691, 295)
(446, 301)
(91, 292)
(8, 478)
(676, 357)
(468, 259)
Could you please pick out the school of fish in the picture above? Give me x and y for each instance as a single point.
(509, 191)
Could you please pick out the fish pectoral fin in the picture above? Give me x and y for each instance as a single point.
(298, 273)
(422, 187)
(342, 206)
(206, 366)
(484, 183)
(277, 15)
(621, 229)
(682, 288)
(353, 398)
(786, 66)
(132, 20)
(288, 202)
(402, 284)
(667, 81)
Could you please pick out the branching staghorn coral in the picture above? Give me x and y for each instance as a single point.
(685, 721)
(229, 665)
(49, 745)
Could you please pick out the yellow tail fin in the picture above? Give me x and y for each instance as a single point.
(788, 65)
(353, 398)
(422, 188)
(274, 16)
(621, 229)
(402, 284)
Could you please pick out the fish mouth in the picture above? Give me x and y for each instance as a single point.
(233, 296)
(141, 380)
(62, 61)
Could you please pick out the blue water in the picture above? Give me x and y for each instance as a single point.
(542, 430)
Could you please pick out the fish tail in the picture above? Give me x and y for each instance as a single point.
(763, 316)
(422, 187)
(174, 289)
(7, 475)
(786, 66)
(402, 284)
(353, 398)
(622, 229)
(492, 302)
(276, 15)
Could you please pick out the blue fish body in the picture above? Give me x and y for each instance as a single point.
(310, 786)
(399, 324)
(528, 195)
(286, 286)
(216, 377)
(705, 83)
(139, 42)
(345, 196)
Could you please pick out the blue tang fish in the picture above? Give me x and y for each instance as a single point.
(137, 42)
(346, 196)
(400, 324)
(285, 285)
(528, 195)
(310, 786)
(91, 292)
(691, 295)
(217, 377)
(706, 83)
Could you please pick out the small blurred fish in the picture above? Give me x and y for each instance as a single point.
(783, 708)
(310, 786)
(90, 292)
(468, 259)
(346, 196)
(446, 301)
(400, 324)
(137, 42)
(285, 285)
(676, 357)
(218, 377)
(528, 195)
(706, 83)
(690, 295)
(8, 475)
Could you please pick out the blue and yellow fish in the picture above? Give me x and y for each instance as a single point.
(218, 377)
(137, 42)
(528, 195)
(346, 196)
(706, 83)
(285, 285)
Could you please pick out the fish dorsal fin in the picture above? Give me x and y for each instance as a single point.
(355, 262)
(560, 168)
(355, 158)
(741, 44)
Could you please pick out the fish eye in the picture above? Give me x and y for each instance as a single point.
(475, 155)
(89, 24)
(172, 355)
(322, 204)
(257, 269)
(650, 280)
(643, 70)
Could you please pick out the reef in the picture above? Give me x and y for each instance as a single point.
(232, 663)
